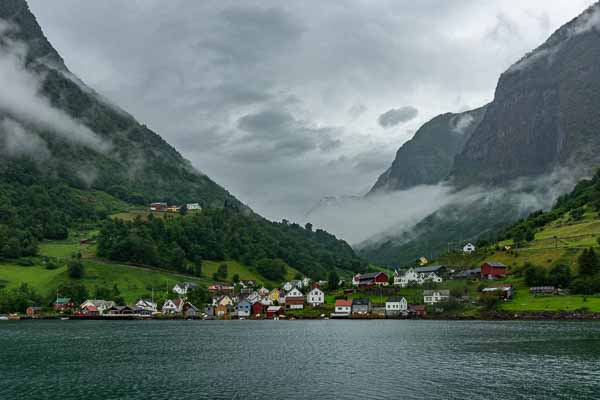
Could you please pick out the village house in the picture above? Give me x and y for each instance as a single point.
(158, 207)
(248, 283)
(63, 304)
(265, 301)
(100, 305)
(468, 248)
(306, 282)
(222, 310)
(189, 310)
(89, 310)
(315, 297)
(182, 288)
(193, 207)
(396, 306)
(244, 309)
(263, 292)
(209, 311)
(294, 299)
(373, 279)
(258, 308)
(173, 209)
(225, 301)
(343, 308)
(33, 311)
(297, 283)
(274, 311)
(417, 310)
(473, 273)
(287, 286)
(418, 276)
(274, 295)
(356, 280)
(535, 290)
(422, 261)
(504, 291)
(435, 296)
(120, 310)
(361, 306)
(253, 297)
(493, 270)
(147, 305)
(172, 306)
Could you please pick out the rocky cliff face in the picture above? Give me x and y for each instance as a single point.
(545, 114)
(428, 157)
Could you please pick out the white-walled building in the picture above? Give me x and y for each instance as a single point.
(435, 296)
(418, 276)
(395, 306)
(468, 248)
(315, 297)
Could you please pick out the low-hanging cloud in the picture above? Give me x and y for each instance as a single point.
(16, 141)
(396, 116)
(20, 97)
(462, 123)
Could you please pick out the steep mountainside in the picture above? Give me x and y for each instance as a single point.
(546, 111)
(428, 157)
(48, 115)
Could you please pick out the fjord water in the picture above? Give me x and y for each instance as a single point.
(374, 359)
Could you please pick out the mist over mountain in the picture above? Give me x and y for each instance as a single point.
(539, 135)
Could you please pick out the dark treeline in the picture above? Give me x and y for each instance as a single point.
(180, 243)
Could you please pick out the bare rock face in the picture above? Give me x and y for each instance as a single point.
(428, 157)
(545, 114)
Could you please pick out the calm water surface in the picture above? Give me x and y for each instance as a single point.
(299, 360)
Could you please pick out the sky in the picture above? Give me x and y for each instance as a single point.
(285, 103)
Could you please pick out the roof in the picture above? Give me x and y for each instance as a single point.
(495, 264)
(431, 292)
(394, 299)
(431, 268)
(417, 307)
(63, 300)
(361, 302)
(273, 308)
(343, 303)
(370, 275)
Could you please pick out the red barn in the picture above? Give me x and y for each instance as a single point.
(257, 308)
(63, 303)
(33, 311)
(373, 279)
(274, 311)
(493, 270)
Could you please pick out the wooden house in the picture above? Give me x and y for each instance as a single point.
(361, 306)
(315, 297)
(294, 299)
(63, 304)
(493, 270)
(373, 279)
(274, 311)
(396, 306)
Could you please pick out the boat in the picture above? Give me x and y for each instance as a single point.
(3, 318)
(64, 318)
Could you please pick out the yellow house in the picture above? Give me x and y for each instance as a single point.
(274, 295)
(221, 311)
(423, 261)
(225, 301)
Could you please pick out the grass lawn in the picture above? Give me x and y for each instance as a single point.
(524, 301)
(244, 272)
(132, 282)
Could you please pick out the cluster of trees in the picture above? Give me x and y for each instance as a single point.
(586, 280)
(180, 243)
(34, 208)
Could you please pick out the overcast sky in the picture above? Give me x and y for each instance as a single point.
(285, 103)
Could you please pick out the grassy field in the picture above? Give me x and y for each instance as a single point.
(244, 272)
(132, 282)
(524, 301)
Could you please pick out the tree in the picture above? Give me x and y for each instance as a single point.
(588, 262)
(272, 269)
(75, 268)
(308, 226)
(534, 275)
(197, 296)
(183, 210)
(235, 278)
(560, 276)
(222, 271)
(333, 281)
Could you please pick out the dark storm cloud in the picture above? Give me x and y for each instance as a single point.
(396, 116)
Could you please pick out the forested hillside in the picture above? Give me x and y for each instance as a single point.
(180, 243)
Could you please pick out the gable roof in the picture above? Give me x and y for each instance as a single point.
(430, 268)
(496, 264)
(343, 303)
(361, 302)
(431, 292)
(369, 275)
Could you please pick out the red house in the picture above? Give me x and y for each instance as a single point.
(274, 311)
(33, 311)
(63, 303)
(373, 279)
(257, 308)
(493, 270)
(417, 310)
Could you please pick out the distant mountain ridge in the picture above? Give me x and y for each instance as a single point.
(428, 157)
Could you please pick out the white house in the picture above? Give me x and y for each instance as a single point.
(193, 207)
(315, 297)
(263, 292)
(418, 276)
(244, 308)
(294, 299)
(147, 305)
(468, 248)
(172, 306)
(101, 305)
(395, 306)
(435, 296)
(306, 282)
(356, 280)
(287, 286)
(343, 308)
(182, 288)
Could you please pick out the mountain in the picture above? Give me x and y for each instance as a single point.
(428, 157)
(69, 159)
(544, 121)
(70, 132)
(545, 113)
